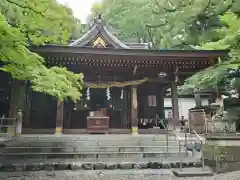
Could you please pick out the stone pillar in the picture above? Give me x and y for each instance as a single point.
(175, 108)
(197, 98)
(134, 104)
(59, 117)
(18, 125)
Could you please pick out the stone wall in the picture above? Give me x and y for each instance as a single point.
(222, 158)
(220, 126)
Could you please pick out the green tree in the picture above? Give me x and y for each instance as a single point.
(37, 22)
(126, 17)
(78, 30)
(167, 24)
(229, 38)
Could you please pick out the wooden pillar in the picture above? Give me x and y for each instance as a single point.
(125, 118)
(59, 117)
(134, 104)
(160, 99)
(27, 112)
(69, 111)
(175, 108)
(67, 115)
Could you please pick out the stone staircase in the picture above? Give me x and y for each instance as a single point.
(41, 152)
(92, 146)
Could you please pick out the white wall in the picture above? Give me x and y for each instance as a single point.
(184, 105)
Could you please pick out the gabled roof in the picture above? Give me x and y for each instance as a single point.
(99, 30)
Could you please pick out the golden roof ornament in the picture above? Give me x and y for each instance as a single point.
(99, 42)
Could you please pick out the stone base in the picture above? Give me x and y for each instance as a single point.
(10, 130)
(178, 130)
(58, 130)
(75, 165)
(193, 172)
(135, 130)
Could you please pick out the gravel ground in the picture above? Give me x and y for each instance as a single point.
(111, 175)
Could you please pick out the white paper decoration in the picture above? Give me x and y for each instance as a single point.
(108, 94)
(88, 93)
(121, 97)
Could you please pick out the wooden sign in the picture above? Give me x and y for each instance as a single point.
(152, 101)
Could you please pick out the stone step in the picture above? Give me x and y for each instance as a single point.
(94, 143)
(75, 149)
(97, 137)
(79, 138)
(126, 159)
(193, 172)
(82, 155)
(77, 145)
(70, 138)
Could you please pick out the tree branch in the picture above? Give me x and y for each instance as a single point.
(27, 7)
(205, 9)
(150, 35)
(220, 13)
(150, 27)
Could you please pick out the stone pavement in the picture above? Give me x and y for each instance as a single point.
(91, 175)
(111, 175)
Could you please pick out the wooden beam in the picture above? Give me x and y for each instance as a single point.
(125, 61)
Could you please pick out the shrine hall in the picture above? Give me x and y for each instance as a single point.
(124, 85)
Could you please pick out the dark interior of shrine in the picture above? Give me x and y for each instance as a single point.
(97, 99)
(5, 91)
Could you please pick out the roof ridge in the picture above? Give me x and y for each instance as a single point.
(99, 28)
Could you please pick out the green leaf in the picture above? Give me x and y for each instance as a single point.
(37, 22)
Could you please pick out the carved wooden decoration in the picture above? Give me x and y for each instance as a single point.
(99, 42)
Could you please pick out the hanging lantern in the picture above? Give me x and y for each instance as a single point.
(88, 93)
(108, 94)
(121, 97)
